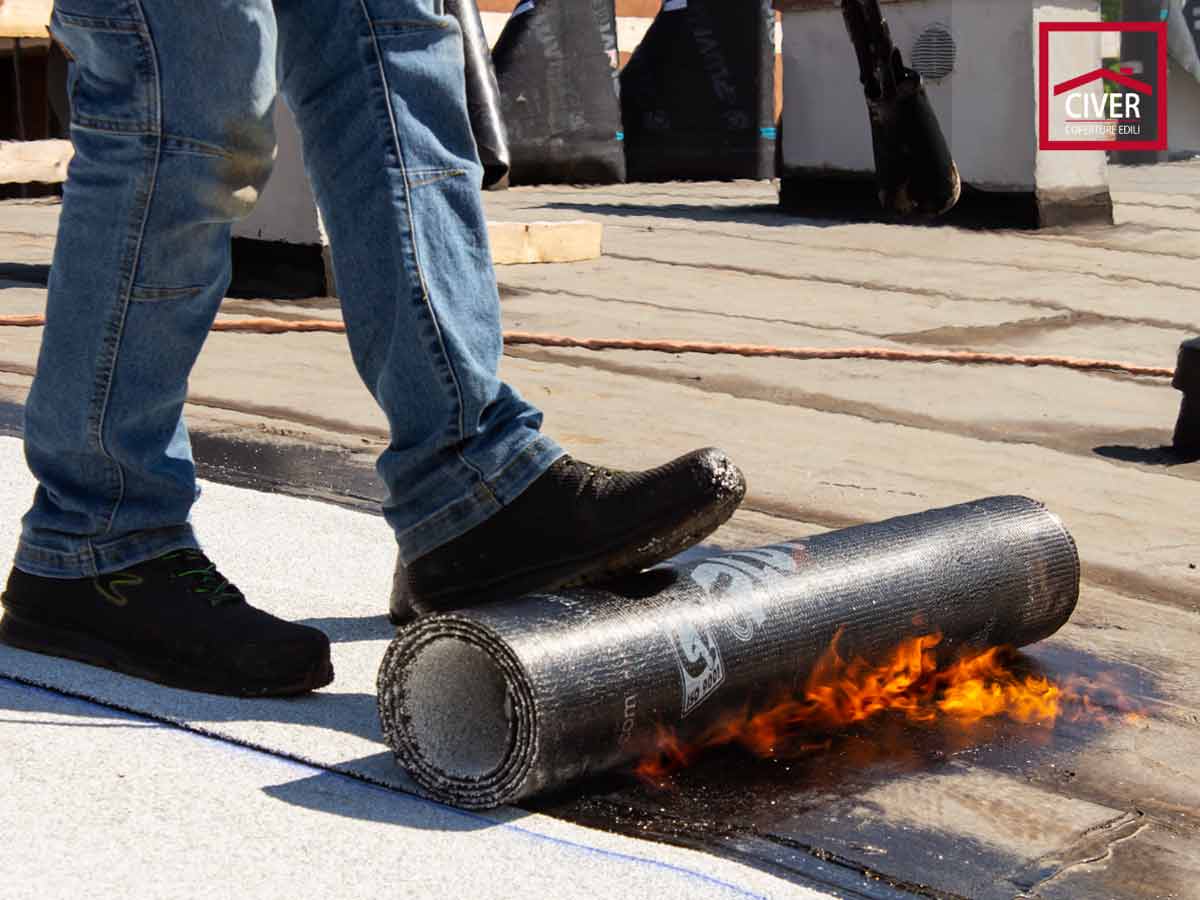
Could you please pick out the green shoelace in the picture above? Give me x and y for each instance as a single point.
(208, 580)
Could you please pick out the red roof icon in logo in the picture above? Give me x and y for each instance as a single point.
(1122, 78)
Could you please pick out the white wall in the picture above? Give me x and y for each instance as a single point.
(987, 107)
(1066, 169)
(286, 211)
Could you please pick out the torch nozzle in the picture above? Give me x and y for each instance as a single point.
(913, 166)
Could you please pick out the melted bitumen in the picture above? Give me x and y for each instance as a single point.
(799, 818)
(810, 818)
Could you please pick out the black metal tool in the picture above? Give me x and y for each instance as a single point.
(913, 166)
(1187, 380)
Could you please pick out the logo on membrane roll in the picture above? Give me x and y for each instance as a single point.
(700, 663)
(743, 578)
(746, 576)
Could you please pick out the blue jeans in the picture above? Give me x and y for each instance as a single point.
(171, 123)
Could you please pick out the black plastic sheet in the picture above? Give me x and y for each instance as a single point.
(698, 94)
(483, 92)
(489, 705)
(556, 62)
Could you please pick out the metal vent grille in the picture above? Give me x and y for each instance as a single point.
(934, 53)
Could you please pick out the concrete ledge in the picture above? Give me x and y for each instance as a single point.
(853, 195)
(1059, 208)
(279, 270)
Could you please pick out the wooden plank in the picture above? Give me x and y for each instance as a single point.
(25, 18)
(23, 162)
(544, 242)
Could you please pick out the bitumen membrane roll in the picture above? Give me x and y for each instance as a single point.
(556, 62)
(488, 705)
(698, 94)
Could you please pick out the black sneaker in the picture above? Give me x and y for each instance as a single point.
(577, 524)
(173, 620)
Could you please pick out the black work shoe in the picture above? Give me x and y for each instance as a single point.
(577, 524)
(173, 620)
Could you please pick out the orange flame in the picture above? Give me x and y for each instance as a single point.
(909, 683)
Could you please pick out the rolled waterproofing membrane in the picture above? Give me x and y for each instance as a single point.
(488, 705)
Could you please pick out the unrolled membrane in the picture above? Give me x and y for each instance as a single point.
(488, 705)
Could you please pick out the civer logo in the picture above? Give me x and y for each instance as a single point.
(1100, 109)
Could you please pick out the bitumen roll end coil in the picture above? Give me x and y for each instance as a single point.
(488, 705)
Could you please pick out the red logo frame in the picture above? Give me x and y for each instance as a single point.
(1045, 29)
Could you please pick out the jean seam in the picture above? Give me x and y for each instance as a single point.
(537, 445)
(178, 143)
(446, 510)
(126, 551)
(454, 513)
(530, 450)
(153, 293)
(104, 23)
(406, 26)
(110, 126)
(423, 177)
(43, 554)
(132, 263)
(416, 250)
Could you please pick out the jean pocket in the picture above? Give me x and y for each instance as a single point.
(112, 81)
(185, 244)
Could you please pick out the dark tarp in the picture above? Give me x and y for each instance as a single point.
(698, 94)
(556, 62)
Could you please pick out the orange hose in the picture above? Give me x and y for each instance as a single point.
(514, 338)
(879, 353)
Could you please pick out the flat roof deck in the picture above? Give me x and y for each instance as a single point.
(1084, 811)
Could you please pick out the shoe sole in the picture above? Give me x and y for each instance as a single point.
(81, 647)
(625, 558)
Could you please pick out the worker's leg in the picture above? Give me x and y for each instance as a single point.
(480, 501)
(171, 106)
(378, 90)
(173, 140)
